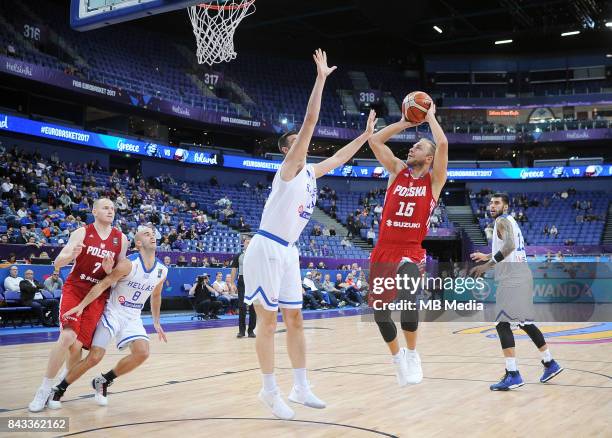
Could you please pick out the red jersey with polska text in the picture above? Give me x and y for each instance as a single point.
(87, 269)
(409, 203)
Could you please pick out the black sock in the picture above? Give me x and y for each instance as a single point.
(62, 385)
(110, 376)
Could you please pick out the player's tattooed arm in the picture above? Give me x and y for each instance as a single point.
(504, 232)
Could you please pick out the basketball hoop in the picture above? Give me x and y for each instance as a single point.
(214, 25)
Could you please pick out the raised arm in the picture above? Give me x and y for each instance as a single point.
(123, 268)
(440, 163)
(72, 249)
(296, 156)
(383, 153)
(348, 151)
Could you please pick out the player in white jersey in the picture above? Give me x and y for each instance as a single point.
(271, 262)
(135, 279)
(514, 293)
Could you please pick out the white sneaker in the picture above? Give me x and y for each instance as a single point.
(304, 396)
(55, 401)
(415, 372)
(40, 399)
(401, 367)
(100, 395)
(274, 401)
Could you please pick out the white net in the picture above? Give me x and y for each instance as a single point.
(214, 25)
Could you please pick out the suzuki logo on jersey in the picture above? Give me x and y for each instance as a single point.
(400, 224)
(99, 252)
(410, 191)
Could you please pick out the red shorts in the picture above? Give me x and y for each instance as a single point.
(85, 325)
(385, 261)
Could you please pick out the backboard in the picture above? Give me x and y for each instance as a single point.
(92, 14)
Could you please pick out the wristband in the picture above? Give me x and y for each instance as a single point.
(498, 257)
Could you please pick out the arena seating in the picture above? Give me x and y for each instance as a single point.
(581, 226)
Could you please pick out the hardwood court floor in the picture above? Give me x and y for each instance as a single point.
(204, 383)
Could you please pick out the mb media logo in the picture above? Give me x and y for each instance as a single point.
(4, 123)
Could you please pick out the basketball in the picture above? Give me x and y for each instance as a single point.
(415, 106)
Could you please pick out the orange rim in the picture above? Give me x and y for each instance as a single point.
(224, 7)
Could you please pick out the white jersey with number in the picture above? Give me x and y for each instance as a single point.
(290, 205)
(130, 294)
(504, 269)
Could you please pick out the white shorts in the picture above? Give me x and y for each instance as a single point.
(124, 330)
(272, 274)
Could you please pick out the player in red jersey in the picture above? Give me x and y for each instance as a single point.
(412, 193)
(95, 250)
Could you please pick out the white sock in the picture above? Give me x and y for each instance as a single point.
(511, 363)
(397, 357)
(299, 377)
(409, 351)
(47, 383)
(269, 382)
(546, 356)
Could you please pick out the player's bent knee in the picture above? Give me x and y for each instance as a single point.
(67, 338)
(95, 356)
(504, 331)
(140, 350)
(410, 326)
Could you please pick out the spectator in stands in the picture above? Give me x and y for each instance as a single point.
(546, 230)
(205, 262)
(246, 184)
(194, 262)
(325, 251)
(371, 235)
(4, 239)
(350, 225)
(7, 188)
(11, 282)
(553, 231)
(22, 212)
(165, 245)
(233, 289)
(345, 242)
(316, 231)
(243, 226)
(30, 295)
(312, 291)
(182, 261)
(205, 297)
(330, 288)
(329, 299)
(363, 286)
(321, 265)
(23, 237)
(378, 209)
(229, 300)
(179, 244)
(314, 248)
(341, 286)
(53, 282)
(325, 232)
(332, 231)
(223, 202)
(167, 261)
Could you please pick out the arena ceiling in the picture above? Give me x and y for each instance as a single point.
(370, 29)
